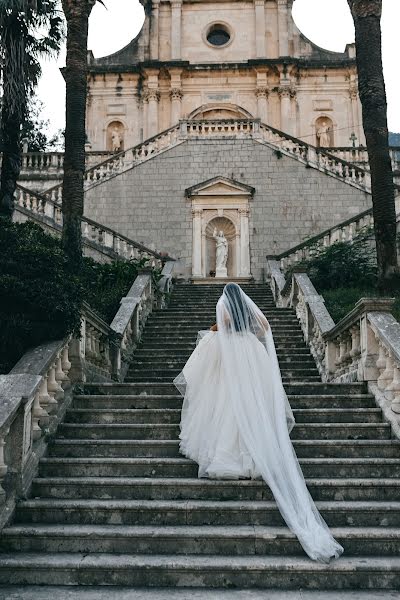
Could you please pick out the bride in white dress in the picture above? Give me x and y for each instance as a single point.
(236, 418)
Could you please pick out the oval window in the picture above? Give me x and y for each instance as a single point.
(218, 35)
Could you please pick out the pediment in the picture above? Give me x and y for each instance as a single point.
(220, 186)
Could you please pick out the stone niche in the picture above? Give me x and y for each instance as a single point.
(222, 204)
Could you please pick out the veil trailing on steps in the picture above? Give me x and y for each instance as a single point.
(236, 417)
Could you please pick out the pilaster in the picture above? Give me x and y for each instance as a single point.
(259, 11)
(283, 27)
(154, 30)
(176, 26)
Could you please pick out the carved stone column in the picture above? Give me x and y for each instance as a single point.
(153, 97)
(197, 242)
(176, 96)
(154, 30)
(244, 243)
(259, 10)
(286, 94)
(283, 28)
(262, 94)
(176, 18)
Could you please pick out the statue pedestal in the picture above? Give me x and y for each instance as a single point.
(221, 272)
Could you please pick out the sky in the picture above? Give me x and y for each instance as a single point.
(328, 23)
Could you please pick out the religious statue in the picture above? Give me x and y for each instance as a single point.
(221, 254)
(323, 135)
(116, 140)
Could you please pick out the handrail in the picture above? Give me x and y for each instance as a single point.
(95, 232)
(364, 346)
(35, 395)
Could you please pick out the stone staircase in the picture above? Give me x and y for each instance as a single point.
(116, 504)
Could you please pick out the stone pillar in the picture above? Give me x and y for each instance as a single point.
(176, 101)
(283, 28)
(153, 97)
(244, 242)
(286, 108)
(154, 30)
(175, 95)
(197, 242)
(144, 107)
(262, 94)
(259, 9)
(176, 18)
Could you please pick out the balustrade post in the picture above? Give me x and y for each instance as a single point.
(3, 465)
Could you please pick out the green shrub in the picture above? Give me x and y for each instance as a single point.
(38, 302)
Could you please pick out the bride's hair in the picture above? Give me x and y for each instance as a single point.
(238, 310)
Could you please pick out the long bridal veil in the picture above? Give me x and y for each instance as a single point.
(247, 368)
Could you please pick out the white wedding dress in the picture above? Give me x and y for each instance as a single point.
(236, 418)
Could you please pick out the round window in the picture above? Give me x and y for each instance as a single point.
(218, 35)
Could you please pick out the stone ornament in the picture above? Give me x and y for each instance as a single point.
(221, 257)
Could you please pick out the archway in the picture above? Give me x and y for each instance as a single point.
(115, 136)
(220, 111)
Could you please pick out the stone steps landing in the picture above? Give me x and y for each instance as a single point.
(115, 504)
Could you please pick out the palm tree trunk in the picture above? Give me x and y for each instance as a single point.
(77, 15)
(367, 15)
(10, 128)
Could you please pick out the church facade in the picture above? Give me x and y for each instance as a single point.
(222, 59)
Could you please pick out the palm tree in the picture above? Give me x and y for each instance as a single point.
(29, 31)
(77, 14)
(367, 15)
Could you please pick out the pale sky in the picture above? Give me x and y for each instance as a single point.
(328, 23)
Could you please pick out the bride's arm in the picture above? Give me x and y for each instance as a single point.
(214, 327)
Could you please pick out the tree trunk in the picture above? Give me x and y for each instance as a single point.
(10, 131)
(77, 15)
(367, 15)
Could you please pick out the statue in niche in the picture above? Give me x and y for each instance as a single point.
(116, 140)
(323, 135)
(221, 254)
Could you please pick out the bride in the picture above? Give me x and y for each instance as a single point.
(236, 418)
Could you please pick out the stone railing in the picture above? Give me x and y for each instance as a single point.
(35, 395)
(345, 231)
(359, 155)
(94, 234)
(52, 163)
(311, 156)
(364, 346)
(123, 161)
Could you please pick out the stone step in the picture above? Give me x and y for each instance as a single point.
(272, 572)
(173, 345)
(194, 327)
(383, 514)
(183, 467)
(289, 354)
(170, 448)
(169, 488)
(304, 431)
(149, 388)
(169, 415)
(183, 318)
(188, 540)
(92, 401)
(165, 379)
(144, 372)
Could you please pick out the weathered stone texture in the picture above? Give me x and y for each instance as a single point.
(290, 204)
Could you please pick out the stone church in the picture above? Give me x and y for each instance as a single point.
(214, 78)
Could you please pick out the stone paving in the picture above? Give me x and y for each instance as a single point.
(117, 593)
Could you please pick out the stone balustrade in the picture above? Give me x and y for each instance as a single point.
(359, 156)
(36, 393)
(98, 236)
(363, 346)
(342, 232)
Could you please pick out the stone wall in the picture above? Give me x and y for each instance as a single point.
(291, 202)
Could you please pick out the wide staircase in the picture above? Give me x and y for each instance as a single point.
(116, 504)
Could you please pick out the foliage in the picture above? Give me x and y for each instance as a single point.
(105, 284)
(38, 302)
(40, 299)
(343, 264)
(36, 130)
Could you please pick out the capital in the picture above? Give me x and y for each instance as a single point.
(262, 92)
(353, 90)
(152, 95)
(176, 94)
(287, 92)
